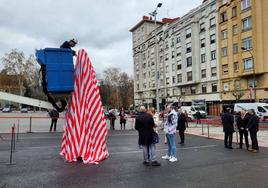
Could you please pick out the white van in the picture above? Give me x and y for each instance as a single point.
(261, 109)
(191, 111)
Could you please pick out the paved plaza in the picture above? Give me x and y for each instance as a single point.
(202, 162)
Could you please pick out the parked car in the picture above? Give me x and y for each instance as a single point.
(24, 110)
(6, 109)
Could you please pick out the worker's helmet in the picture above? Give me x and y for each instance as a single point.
(74, 41)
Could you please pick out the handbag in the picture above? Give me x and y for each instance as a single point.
(155, 138)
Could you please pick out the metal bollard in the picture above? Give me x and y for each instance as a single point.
(14, 139)
(202, 128)
(208, 131)
(30, 126)
(11, 146)
(18, 130)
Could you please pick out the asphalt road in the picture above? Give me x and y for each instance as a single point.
(202, 163)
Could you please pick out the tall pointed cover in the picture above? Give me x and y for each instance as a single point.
(85, 130)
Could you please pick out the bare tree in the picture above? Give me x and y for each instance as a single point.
(117, 88)
(14, 65)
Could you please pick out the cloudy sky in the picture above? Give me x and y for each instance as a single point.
(101, 26)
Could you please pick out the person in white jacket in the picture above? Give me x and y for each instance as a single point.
(170, 130)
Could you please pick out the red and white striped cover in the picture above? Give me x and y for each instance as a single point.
(85, 130)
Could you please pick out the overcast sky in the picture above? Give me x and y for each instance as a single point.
(101, 26)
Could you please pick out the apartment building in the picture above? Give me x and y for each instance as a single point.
(186, 50)
(244, 72)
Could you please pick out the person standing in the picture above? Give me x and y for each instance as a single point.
(186, 118)
(181, 127)
(54, 115)
(123, 120)
(253, 128)
(156, 119)
(228, 128)
(112, 118)
(170, 130)
(144, 124)
(242, 121)
(198, 117)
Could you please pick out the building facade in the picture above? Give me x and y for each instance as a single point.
(186, 52)
(243, 62)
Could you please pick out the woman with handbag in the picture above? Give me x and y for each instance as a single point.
(144, 124)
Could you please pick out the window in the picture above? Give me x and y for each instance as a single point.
(212, 39)
(202, 27)
(247, 43)
(223, 16)
(224, 52)
(178, 51)
(203, 12)
(248, 64)
(246, 23)
(202, 42)
(225, 69)
(251, 83)
(203, 58)
(236, 67)
(212, 22)
(261, 109)
(204, 89)
(138, 87)
(213, 55)
(245, 4)
(183, 91)
(188, 33)
(213, 71)
(189, 76)
(203, 73)
(193, 90)
(172, 54)
(234, 12)
(173, 67)
(178, 39)
(235, 48)
(237, 85)
(167, 81)
(235, 29)
(213, 7)
(173, 79)
(225, 86)
(188, 48)
(179, 67)
(214, 87)
(179, 78)
(166, 57)
(224, 34)
(189, 61)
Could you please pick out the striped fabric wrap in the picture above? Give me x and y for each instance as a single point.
(85, 130)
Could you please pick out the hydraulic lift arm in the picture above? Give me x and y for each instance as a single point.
(25, 100)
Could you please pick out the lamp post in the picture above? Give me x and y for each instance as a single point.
(254, 76)
(154, 13)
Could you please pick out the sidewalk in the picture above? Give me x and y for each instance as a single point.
(216, 132)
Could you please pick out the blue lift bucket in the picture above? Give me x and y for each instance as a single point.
(59, 69)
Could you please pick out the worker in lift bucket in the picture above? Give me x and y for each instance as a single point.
(70, 44)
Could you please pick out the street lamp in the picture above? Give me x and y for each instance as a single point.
(154, 13)
(254, 77)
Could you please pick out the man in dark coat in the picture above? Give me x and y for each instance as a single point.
(228, 128)
(69, 45)
(181, 127)
(253, 128)
(242, 121)
(54, 114)
(144, 125)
